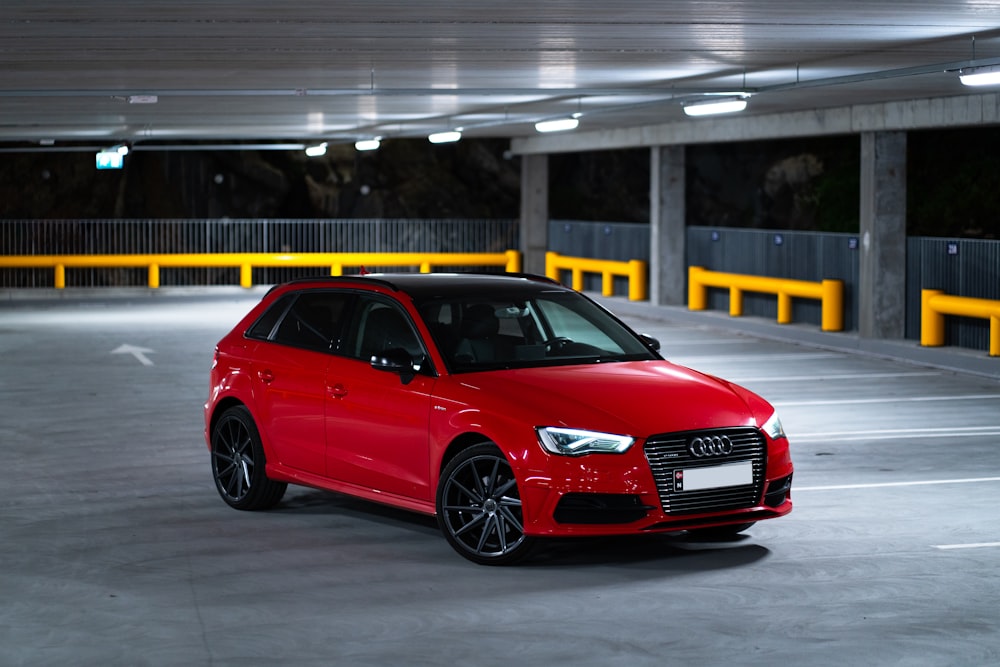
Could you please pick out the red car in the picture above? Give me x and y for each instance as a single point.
(509, 406)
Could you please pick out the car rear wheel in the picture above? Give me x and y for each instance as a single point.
(238, 463)
(479, 507)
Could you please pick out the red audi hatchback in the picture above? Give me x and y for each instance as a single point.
(509, 406)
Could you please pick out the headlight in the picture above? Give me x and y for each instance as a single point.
(773, 427)
(573, 442)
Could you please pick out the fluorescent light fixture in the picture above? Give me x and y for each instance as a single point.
(367, 144)
(715, 106)
(557, 125)
(445, 137)
(980, 76)
(317, 150)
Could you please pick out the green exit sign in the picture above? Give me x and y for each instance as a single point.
(110, 160)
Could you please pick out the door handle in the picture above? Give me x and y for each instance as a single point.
(337, 391)
(267, 377)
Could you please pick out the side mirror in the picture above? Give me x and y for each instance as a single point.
(650, 342)
(396, 360)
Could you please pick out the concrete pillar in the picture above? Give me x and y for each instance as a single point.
(882, 279)
(534, 227)
(667, 231)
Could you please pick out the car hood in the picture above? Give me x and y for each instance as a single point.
(638, 398)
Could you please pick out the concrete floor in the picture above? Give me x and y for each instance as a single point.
(116, 550)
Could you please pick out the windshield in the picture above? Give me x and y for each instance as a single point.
(545, 329)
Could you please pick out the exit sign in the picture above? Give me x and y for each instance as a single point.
(110, 160)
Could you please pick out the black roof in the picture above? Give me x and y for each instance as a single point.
(422, 286)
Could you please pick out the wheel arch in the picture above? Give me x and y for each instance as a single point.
(459, 443)
(220, 408)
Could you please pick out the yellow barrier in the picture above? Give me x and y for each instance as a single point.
(935, 304)
(829, 292)
(510, 260)
(634, 270)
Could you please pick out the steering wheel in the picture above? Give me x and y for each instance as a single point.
(556, 344)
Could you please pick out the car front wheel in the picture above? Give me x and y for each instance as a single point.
(479, 507)
(238, 463)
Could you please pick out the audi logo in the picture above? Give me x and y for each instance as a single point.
(716, 445)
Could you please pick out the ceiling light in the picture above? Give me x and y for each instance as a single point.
(557, 125)
(317, 150)
(715, 106)
(445, 137)
(980, 76)
(367, 144)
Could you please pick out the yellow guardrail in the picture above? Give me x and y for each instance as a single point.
(634, 270)
(510, 260)
(935, 304)
(829, 292)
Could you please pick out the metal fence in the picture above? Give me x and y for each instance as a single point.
(779, 254)
(965, 267)
(620, 241)
(87, 237)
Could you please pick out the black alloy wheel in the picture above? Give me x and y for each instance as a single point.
(238, 463)
(479, 507)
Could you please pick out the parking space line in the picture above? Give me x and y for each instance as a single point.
(677, 342)
(843, 376)
(972, 545)
(897, 433)
(890, 399)
(884, 485)
(753, 358)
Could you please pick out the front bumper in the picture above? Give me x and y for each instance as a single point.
(642, 490)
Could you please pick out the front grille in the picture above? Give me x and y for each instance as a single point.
(668, 454)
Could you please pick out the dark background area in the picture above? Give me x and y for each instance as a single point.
(802, 184)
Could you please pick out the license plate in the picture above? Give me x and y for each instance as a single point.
(714, 477)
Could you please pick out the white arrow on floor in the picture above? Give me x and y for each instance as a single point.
(137, 352)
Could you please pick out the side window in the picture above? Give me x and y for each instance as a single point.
(264, 326)
(442, 320)
(313, 321)
(382, 326)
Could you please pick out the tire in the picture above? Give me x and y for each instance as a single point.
(479, 507)
(720, 532)
(238, 463)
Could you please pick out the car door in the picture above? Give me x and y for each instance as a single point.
(288, 372)
(376, 422)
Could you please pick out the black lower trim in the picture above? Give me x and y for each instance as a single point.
(684, 524)
(777, 491)
(598, 508)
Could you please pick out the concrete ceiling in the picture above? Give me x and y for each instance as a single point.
(157, 72)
